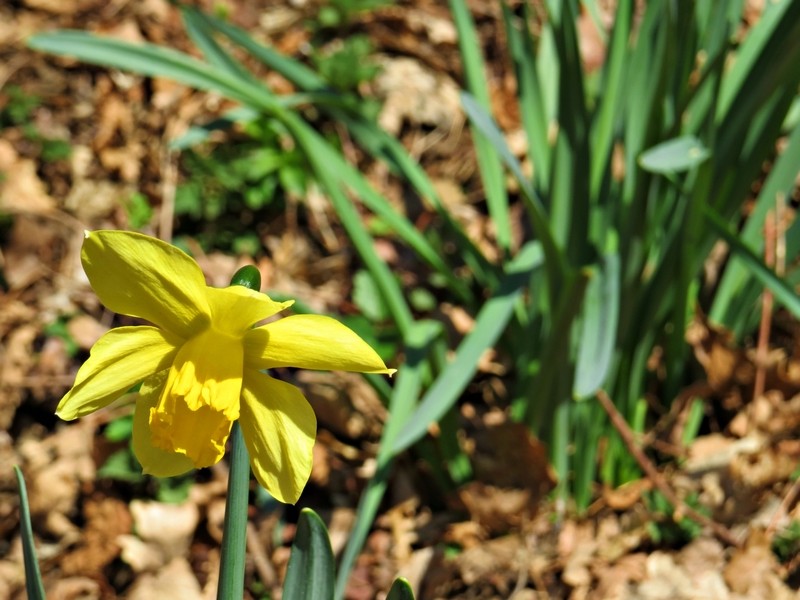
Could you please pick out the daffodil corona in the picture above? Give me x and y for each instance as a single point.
(201, 363)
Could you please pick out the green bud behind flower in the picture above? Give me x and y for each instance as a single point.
(248, 276)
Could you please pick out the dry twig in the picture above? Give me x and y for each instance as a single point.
(618, 421)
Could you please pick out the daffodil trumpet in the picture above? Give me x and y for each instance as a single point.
(201, 363)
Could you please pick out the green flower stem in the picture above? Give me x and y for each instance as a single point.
(234, 530)
(234, 536)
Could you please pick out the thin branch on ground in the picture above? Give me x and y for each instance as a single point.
(619, 423)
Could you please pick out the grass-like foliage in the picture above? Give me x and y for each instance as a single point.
(636, 172)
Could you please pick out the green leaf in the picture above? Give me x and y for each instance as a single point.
(400, 590)
(418, 343)
(765, 57)
(367, 297)
(784, 293)
(613, 89)
(422, 300)
(380, 144)
(174, 490)
(598, 328)
(54, 150)
(332, 171)
(731, 304)
(119, 430)
(309, 575)
(197, 134)
(693, 422)
(489, 324)
(140, 213)
(674, 156)
(201, 34)
(486, 153)
(786, 544)
(33, 578)
(554, 260)
(120, 466)
(153, 61)
(521, 47)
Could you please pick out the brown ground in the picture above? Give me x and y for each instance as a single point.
(99, 537)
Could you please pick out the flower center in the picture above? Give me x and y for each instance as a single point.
(200, 400)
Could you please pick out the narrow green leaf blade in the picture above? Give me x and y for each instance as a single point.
(369, 135)
(418, 342)
(784, 293)
(33, 578)
(488, 162)
(674, 156)
(755, 51)
(522, 51)
(609, 101)
(489, 324)
(150, 60)
(309, 575)
(200, 33)
(332, 171)
(302, 76)
(483, 121)
(736, 279)
(539, 218)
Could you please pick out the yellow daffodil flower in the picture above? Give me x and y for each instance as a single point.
(200, 363)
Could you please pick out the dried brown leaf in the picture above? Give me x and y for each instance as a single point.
(175, 581)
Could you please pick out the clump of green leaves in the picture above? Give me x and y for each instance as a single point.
(50, 149)
(786, 544)
(18, 107)
(624, 248)
(230, 186)
(664, 529)
(348, 64)
(139, 211)
(18, 112)
(341, 58)
(60, 329)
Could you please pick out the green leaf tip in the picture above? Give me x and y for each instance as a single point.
(310, 573)
(674, 156)
(400, 590)
(33, 578)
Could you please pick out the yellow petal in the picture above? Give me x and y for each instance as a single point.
(310, 342)
(279, 427)
(154, 461)
(120, 359)
(235, 309)
(140, 276)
